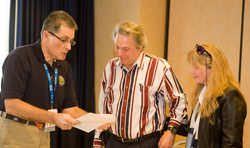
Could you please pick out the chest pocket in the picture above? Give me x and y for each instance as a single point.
(145, 96)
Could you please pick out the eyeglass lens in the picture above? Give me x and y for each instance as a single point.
(65, 42)
(200, 49)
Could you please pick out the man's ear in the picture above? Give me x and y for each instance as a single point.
(46, 36)
(141, 49)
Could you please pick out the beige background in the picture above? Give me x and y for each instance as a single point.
(191, 22)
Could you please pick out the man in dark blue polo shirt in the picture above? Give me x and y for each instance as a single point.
(36, 82)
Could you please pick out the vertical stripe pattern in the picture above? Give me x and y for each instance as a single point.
(138, 97)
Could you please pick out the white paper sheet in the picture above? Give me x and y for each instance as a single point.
(91, 121)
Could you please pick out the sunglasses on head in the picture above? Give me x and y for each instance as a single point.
(200, 50)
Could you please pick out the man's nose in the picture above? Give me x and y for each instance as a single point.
(68, 46)
(119, 52)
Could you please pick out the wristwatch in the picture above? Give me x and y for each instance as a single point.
(173, 129)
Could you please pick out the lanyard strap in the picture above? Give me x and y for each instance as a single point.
(51, 91)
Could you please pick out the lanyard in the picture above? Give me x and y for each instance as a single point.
(51, 91)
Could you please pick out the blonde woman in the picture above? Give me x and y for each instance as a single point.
(219, 107)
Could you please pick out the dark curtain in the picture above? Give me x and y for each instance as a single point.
(30, 16)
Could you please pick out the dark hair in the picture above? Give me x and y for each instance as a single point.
(54, 21)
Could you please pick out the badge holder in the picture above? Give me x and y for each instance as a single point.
(49, 127)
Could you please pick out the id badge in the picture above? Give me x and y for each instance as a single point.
(49, 127)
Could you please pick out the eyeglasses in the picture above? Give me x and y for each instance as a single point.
(200, 50)
(65, 42)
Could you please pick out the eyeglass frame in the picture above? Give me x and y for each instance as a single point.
(65, 42)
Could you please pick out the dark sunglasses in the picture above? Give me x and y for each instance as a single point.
(200, 50)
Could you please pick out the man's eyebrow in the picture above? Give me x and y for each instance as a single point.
(68, 38)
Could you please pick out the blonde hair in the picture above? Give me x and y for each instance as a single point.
(131, 28)
(220, 81)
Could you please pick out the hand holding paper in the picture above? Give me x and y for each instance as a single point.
(105, 126)
(92, 121)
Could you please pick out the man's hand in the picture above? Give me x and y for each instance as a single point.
(167, 140)
(65, 121)
(105, 126)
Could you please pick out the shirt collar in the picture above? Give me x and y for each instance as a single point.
(139, 62)
(201, 96)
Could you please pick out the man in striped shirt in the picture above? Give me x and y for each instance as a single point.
(136, 87)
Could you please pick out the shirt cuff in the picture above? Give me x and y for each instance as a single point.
(97, 142)
(174, 123)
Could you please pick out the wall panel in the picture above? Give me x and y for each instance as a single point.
(152, 19)
(201, 21)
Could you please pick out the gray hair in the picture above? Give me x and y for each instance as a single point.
(131, 28)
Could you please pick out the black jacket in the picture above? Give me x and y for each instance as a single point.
(224, 127)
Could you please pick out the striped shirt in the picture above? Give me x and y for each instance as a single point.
(138, 97)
